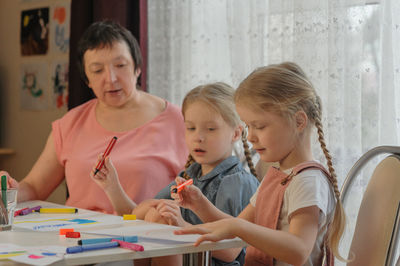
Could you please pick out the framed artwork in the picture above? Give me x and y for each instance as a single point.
(33, 79)
(34, 31)
(59, 84)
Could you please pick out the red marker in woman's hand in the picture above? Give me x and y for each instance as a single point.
(106, 153)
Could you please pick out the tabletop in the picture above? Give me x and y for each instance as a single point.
(38, 229)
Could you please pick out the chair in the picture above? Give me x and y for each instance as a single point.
(375, 236)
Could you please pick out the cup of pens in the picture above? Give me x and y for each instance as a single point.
(7, 208)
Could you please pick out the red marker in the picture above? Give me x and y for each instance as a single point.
(181, 186)
(18, 212)
(73, 234)
(106, 153)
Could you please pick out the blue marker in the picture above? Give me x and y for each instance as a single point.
(130, 239)
(77, 249)
(49, 253)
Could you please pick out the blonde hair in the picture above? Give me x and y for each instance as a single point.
(285, 89)
(220, 97)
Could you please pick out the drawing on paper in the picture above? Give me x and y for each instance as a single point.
(33, 83)
(34, 31)
(60, 84)
(38, 223)
(52, 224)
(60, 28)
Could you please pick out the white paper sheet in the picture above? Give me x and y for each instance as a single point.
(41, 255)
(149, 232)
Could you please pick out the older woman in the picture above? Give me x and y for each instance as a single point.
(150, 149)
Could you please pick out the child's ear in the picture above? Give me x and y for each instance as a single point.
(301, 120)
(238, 133)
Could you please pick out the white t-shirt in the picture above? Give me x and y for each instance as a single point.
(308, 188)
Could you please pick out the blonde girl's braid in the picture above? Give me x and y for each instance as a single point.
(321, 139)
(248, 154)
(189, 162)
(336, 228)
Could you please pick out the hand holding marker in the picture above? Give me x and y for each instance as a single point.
(182, 186)
(106, 153)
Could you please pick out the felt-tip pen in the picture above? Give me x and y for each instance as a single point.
(182, 186)
(29, 210)
(131, 239)
(127, 245)
(106, 153)
(103, 245)
(57, 210)
(17, 212)
(4, 191)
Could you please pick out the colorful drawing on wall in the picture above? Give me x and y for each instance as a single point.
(59, 35)
(33, 84)
(35, 31)
(59, 84)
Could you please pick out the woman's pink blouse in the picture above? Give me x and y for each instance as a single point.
(147, 158)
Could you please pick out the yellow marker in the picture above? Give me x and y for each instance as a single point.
(57, 210)
(8, 254)
(129, 217)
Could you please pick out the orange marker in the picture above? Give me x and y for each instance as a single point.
(106, 153)
(181, 186)
(63, 231)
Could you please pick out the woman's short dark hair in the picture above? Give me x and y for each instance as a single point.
(103, 34)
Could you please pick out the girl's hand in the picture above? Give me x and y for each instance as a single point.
(143, 208)
(171, 212)
(189, 197)
(107, 176)
(11, 182)
(215, 231)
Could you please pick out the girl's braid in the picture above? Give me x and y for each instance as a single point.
(333, 176)
(248, 154)
(189, 162)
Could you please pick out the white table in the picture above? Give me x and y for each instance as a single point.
(24, 237)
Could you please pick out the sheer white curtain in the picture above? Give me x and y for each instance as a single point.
(349, 48)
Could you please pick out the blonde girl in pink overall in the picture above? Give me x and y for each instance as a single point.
(295, 217)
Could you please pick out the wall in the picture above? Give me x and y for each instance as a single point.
(23, 131)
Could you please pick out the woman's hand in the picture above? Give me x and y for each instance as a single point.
(11, 182)
(215, 231)
(107, 176)
(171, 212)
(189, 197)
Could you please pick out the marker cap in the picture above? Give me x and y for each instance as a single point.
(64, 231)
(129, 217)
(73, 234)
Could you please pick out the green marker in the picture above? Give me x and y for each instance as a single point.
(4, 190)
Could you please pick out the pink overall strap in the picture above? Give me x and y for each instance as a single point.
(310, 164)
